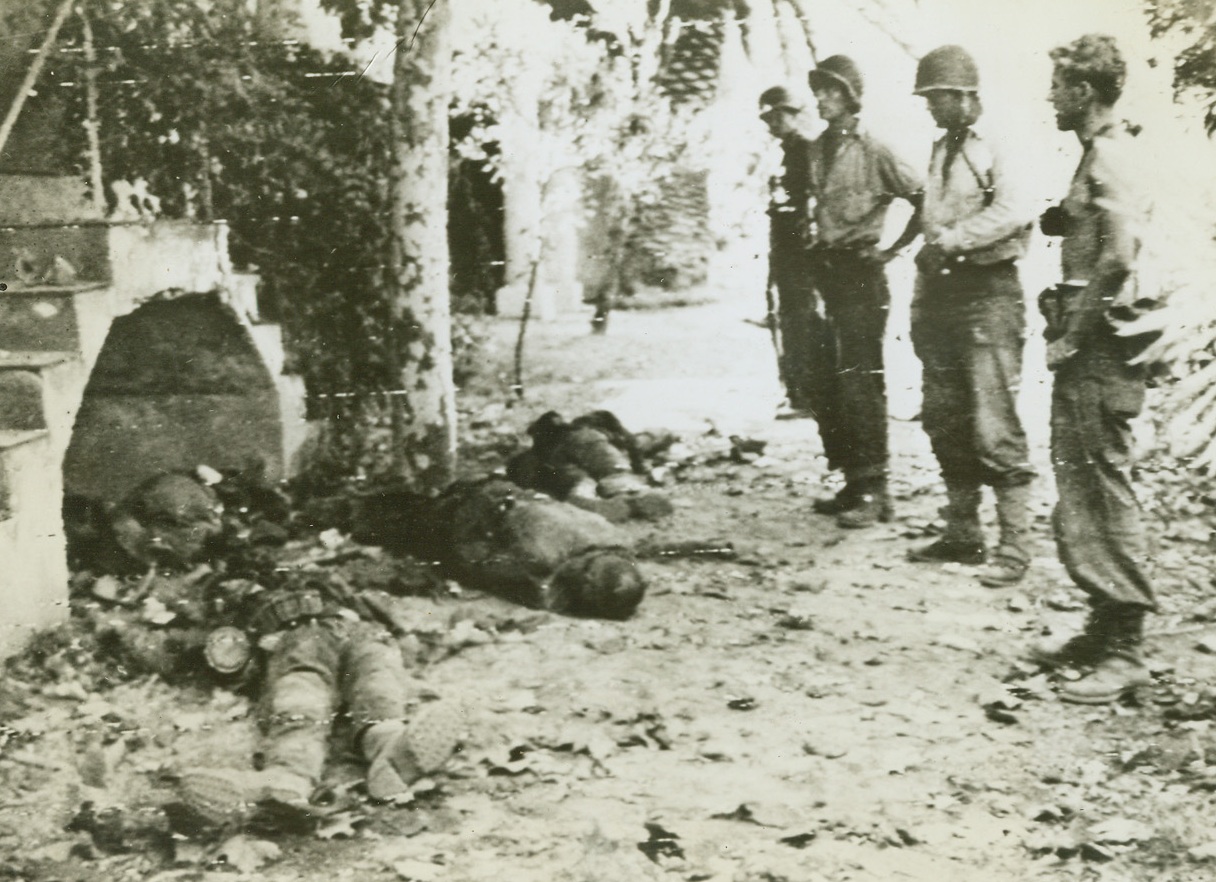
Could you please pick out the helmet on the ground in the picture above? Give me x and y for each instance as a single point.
(778, 98)
(838, 70)
(947, 67)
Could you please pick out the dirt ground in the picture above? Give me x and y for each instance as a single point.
(815, 709)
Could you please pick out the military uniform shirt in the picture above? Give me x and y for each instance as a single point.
(789, 211)
(961, 216)
(854, 188)
(1104, 211)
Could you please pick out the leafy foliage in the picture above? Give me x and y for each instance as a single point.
(225, 120)
(1179, 254)
(1195, 66)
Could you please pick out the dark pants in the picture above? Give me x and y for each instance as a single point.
(807, 357)
(1097, 518)
(854, 419)
(968, 330)
(317, 669)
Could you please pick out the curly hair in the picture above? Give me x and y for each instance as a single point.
(1093, 59)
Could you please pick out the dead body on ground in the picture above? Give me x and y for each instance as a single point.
(200, 571)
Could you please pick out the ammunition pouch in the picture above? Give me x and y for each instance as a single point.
(286, 609)
(1057, 305)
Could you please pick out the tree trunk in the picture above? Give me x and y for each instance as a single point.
(424, 405)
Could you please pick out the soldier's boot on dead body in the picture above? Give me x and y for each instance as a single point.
(1119, 669)
(1009, 563)
(963, 539)
(399, 753)
(274, 798)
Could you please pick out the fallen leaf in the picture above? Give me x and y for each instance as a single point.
(248, 855)
(156, 613)
(417, 871)
(339, 826)
(1118, 830)
(1205, 852)
(106, 588)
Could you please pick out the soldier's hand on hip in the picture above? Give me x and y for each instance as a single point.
(931, 259)
(1059, 351)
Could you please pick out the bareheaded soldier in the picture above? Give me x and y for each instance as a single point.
(969, 323)
(854, 179)
(804, 341)
(1097, 391)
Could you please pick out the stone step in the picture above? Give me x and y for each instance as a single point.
(24, 388)
(44, 317)
(55, 253)
(268, 338)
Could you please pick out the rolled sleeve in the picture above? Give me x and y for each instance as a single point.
(897, 176)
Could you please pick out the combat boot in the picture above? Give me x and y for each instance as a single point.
(399, 754)
(1008, 565)
(274, 797)
(1080, 650)
(963, 541)
(1120, 671)
(872, 504)
(844, 499)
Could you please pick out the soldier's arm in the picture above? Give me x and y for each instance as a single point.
(902, 182)
(911, 230)
(1010, 211)
(1112, 183)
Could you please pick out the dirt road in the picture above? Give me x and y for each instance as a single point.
(817, 709)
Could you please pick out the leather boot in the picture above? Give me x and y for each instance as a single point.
(1008, 565)
(1080, 650)
(1120, 671)
(274, 798)
(398, 754)
(847, 497)
(963, 540)
(844, 499)
(871, 505)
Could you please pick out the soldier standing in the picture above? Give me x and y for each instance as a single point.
(804, 350)
(969, 322)
(854, 179)
(1096, 391)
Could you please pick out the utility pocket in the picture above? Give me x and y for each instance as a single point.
(1123, 398)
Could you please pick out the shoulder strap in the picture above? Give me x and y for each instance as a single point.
(987, 186)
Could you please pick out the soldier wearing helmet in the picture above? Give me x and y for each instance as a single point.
(800, 330)
(968, 324)
(1096, 391)
(854, 179)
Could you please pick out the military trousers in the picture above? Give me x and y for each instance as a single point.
(807, 347)
(968, 330)
(857, 302)
(316, 670)
(1097, 524)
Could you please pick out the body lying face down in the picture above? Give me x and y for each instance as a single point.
(518, 544)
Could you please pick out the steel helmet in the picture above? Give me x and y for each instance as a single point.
(838, 70)
(778, 98)
(947, 67)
